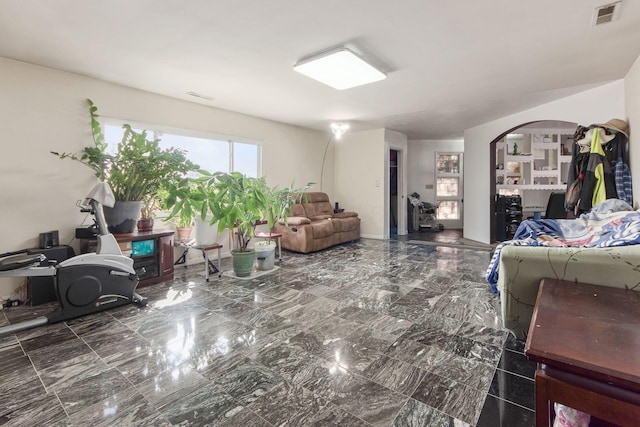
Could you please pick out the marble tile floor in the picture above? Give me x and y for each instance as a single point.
(447, 235)
(371, 333)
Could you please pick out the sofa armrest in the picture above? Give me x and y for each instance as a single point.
(297, 238)
(295, 220)
(523, 267)
(345, 215)
(319, 217)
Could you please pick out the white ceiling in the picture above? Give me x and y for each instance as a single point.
(451, 64)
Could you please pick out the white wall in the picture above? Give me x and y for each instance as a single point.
(632, 105)
(422, 154)
(360, 178)
(43, 109)
(593, 106)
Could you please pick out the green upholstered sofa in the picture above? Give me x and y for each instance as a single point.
(523, 267)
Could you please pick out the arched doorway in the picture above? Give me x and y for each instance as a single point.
(529, 162)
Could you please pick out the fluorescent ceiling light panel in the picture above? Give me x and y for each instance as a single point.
(340, 69)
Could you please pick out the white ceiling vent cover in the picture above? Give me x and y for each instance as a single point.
(606, 13)
(199, 95)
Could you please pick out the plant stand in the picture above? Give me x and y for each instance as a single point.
(209, 267)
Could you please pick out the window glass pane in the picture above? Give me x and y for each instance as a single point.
(447, 187)
(211, 155)
(448, 163)
(245, 159)
(448, 209)
(113, 136)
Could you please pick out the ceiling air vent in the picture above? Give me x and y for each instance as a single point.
(198, 95)
(606, 13)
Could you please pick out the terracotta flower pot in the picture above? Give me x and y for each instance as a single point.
(145, 224)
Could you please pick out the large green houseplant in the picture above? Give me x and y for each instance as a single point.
(136, 171)
(238, 203)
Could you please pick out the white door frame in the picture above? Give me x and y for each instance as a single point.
(457, 224)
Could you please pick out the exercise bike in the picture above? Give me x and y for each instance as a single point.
(86, 283)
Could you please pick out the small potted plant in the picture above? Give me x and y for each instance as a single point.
(184, 226)
(149, 205)
(186, 200)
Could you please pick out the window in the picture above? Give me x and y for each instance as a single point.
(213, 153)
(244, 156)
(210, 154)
(448, 163)
(449, 187)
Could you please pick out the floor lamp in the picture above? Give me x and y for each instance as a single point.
(337, 130)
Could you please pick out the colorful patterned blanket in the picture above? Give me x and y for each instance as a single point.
(610, 223)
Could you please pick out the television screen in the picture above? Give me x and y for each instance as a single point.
(142, 248)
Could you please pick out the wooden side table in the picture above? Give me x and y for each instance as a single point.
(586, 340)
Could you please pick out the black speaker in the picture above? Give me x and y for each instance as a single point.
(508, 216)
(49, 239)
(42, 289)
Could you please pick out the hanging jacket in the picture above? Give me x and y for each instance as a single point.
(622, 173)
(599, 182)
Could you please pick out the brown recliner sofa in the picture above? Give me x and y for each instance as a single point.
(312, 225)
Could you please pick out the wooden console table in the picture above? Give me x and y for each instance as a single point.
(586, 340)
(153, 267)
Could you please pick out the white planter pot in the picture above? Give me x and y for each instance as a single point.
(265, 255)
(206, 234)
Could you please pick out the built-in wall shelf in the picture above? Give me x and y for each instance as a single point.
(538, 167)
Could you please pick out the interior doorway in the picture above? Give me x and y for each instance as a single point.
(530, 162)
(394, 214)
(395, 190)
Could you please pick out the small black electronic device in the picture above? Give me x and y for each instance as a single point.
(49, 239)
(86, 232)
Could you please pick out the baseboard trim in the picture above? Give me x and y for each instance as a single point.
(373, 236)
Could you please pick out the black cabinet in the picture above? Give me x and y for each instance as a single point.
(508, 216)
